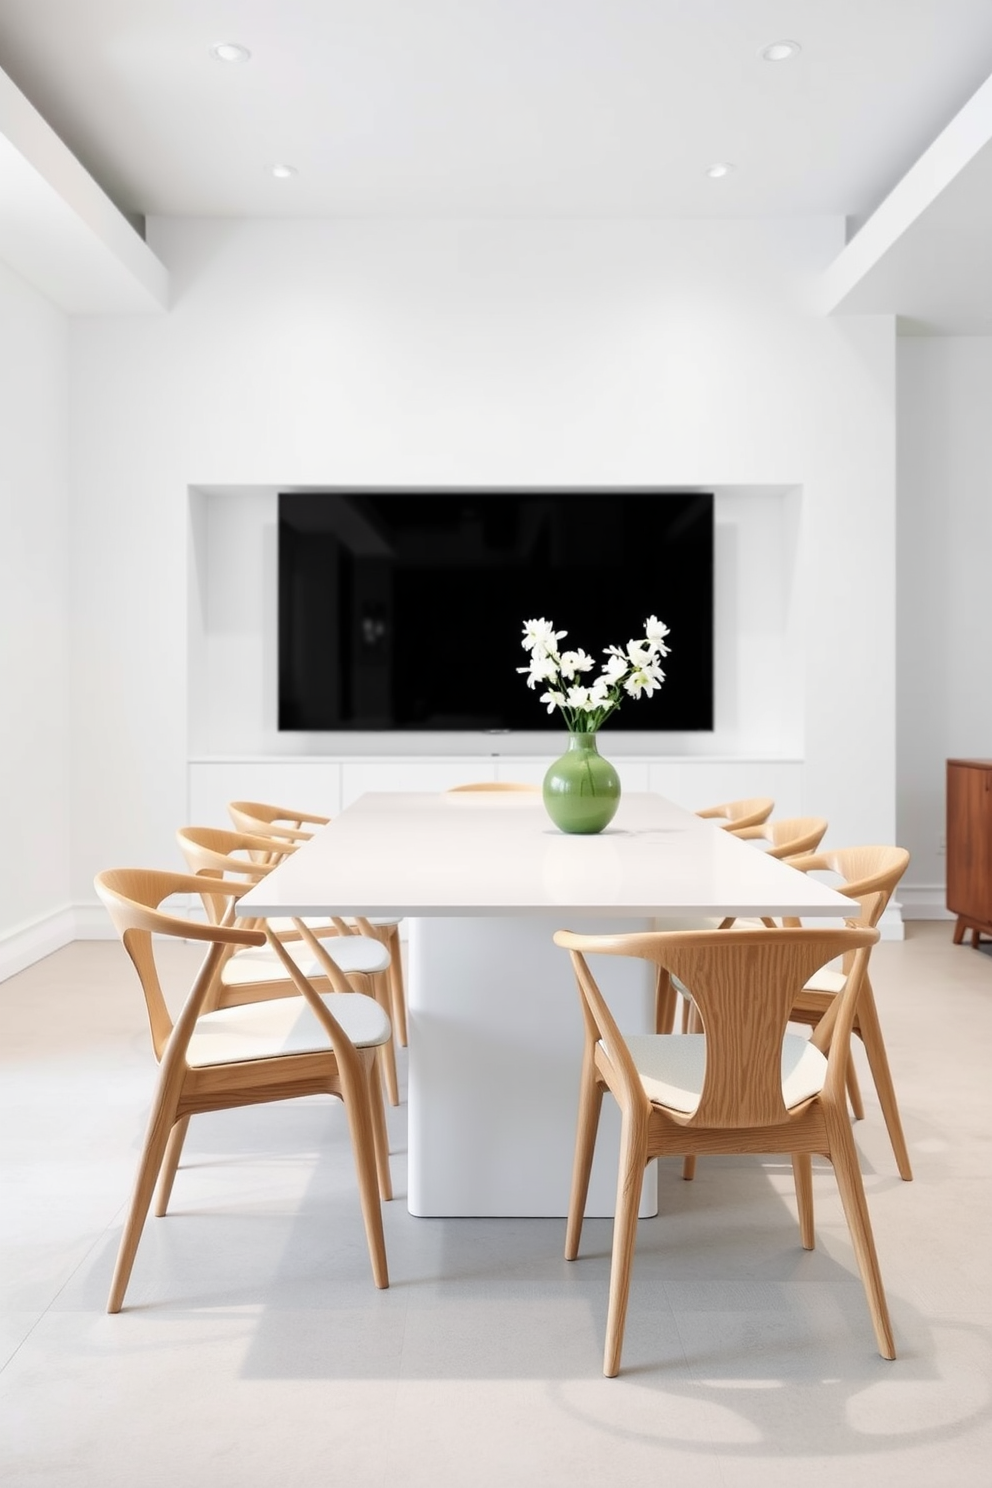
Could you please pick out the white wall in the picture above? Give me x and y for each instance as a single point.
(945, 588)
(34, 625)
(312, 353)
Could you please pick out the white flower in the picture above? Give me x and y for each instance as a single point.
(543, 668)
(632, 672)
(573, 662)
(639, 652)
(540, 635)
(646, 678)
(655, 633)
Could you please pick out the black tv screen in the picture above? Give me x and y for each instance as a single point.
(404, 610)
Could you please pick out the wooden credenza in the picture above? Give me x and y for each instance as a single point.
(969, 847)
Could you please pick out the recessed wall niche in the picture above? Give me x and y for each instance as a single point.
(232, 640)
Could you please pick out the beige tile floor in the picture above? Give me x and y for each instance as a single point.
(254, 1349)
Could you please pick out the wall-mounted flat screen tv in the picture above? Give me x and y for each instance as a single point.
(404, 610)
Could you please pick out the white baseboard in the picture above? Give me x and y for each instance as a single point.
(891, 926)
(27, 944)
(924, 902)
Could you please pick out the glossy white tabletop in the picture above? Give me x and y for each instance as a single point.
(498, 853)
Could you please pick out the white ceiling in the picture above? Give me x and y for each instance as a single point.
(504, 108)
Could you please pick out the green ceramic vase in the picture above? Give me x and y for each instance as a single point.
(582, 789)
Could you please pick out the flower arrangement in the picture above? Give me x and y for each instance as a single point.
(586, 705)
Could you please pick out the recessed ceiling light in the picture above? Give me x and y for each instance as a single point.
(780, 51)
(282, 172)
(719, 170)
(230, 51)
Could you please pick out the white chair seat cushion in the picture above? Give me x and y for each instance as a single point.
(671, 1068)
(352, 953)
(826, 980)
(283, 1025)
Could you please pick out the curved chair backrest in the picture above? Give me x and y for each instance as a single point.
(870, 875)
(745, 983)
(261, 819)
(213, 853)
(493, 785)
(133, 897)
(786, 837)
(749, 812)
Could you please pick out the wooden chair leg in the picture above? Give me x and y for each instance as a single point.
(170, 1163)
(629, 1184)
(590, 1105)
(852, 1193)
(691, 1023)
(854, 1090)
(878, 1062)
(397, 986)
(160, 1127)
(380, 1133)
(802, 1172)
(361, 1124)
(387, 1066)
(377, 985)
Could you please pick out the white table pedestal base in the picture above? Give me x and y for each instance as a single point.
(495, 1046)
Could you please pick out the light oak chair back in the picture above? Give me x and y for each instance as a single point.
(732, 815)
(787, 836)
(279, 823)
(866, 872)
(248, 816)
(215, 1060)
(214, 853)
(870, 877)
(723, 1090)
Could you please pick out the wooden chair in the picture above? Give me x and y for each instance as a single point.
(264, 1051)
(733, 815)
(745, 1085)
(212, 853)
(286, 824)
(249, 815)
(786, 837)
(870, 877)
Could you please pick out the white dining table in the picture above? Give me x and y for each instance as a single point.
(495, 1031)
